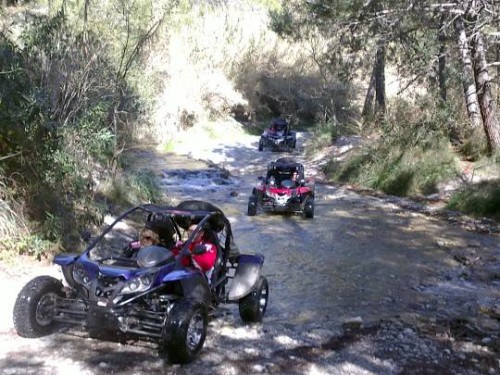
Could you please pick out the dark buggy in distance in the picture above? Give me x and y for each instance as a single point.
(149, 295)
(280, 192)
(278, 136)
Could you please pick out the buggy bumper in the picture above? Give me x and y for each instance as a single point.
(94, 316)
(276, 143)
(288, 207)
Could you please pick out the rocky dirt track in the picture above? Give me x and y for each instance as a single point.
(371, 285)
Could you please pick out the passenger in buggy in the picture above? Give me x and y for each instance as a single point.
(278, 125)
(295, 178)
(147, 237)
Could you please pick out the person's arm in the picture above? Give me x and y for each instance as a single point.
(206, 260)
(131, 249)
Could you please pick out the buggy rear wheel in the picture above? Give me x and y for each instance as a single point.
(35, 305)
(185, 331)
(253, 306)
(252, 206)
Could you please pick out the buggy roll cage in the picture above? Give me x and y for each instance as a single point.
(168, 221)
(282, 169)
(279, 125)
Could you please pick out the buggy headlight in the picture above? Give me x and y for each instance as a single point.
(138, 284)
(80, 274)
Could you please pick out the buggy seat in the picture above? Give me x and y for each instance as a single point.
(165, 228)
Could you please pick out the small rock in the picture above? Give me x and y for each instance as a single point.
(259, 368)
(474, 243)
(486, 340)
(355, 322)
(408, 332)
(442, 244)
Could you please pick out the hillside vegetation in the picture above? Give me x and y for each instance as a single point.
(81, 83)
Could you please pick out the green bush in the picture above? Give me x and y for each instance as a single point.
(63, 110)
(31, 245)
(482, 199)
(134, 188)
(411, 157)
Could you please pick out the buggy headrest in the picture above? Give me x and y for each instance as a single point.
(165, 230)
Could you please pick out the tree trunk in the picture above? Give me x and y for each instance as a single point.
(370, 94)
(380, 79)
(468, 75)
(498, 72)
(442, 59)
(484, 93)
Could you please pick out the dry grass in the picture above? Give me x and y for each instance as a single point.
(216, 61)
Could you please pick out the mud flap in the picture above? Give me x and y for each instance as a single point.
(246, 275)
(194, 284)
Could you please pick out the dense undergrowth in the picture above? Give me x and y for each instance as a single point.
(481, 199)
(65, 114)
(411, 156)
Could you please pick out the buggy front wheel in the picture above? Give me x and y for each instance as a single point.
(261, 145)
(35, 305)
(253, 306)
(252, 206)
(309, 208)
(185, 331)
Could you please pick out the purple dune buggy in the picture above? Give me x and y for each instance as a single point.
(148, 294)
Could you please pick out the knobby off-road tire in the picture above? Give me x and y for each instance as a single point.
(34, 307)
(309, 208)
(252, 206)
(185, 331)
(261, 145)
(253, 306)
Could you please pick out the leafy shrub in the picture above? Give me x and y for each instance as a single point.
(32, 245)
(411, 157)
(58, 133)
(482, 199)
(133, 188)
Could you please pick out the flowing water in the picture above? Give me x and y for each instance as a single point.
(358, 257)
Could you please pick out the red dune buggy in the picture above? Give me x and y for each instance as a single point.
(283, 189)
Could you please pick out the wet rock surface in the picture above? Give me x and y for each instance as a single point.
(371, 285)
